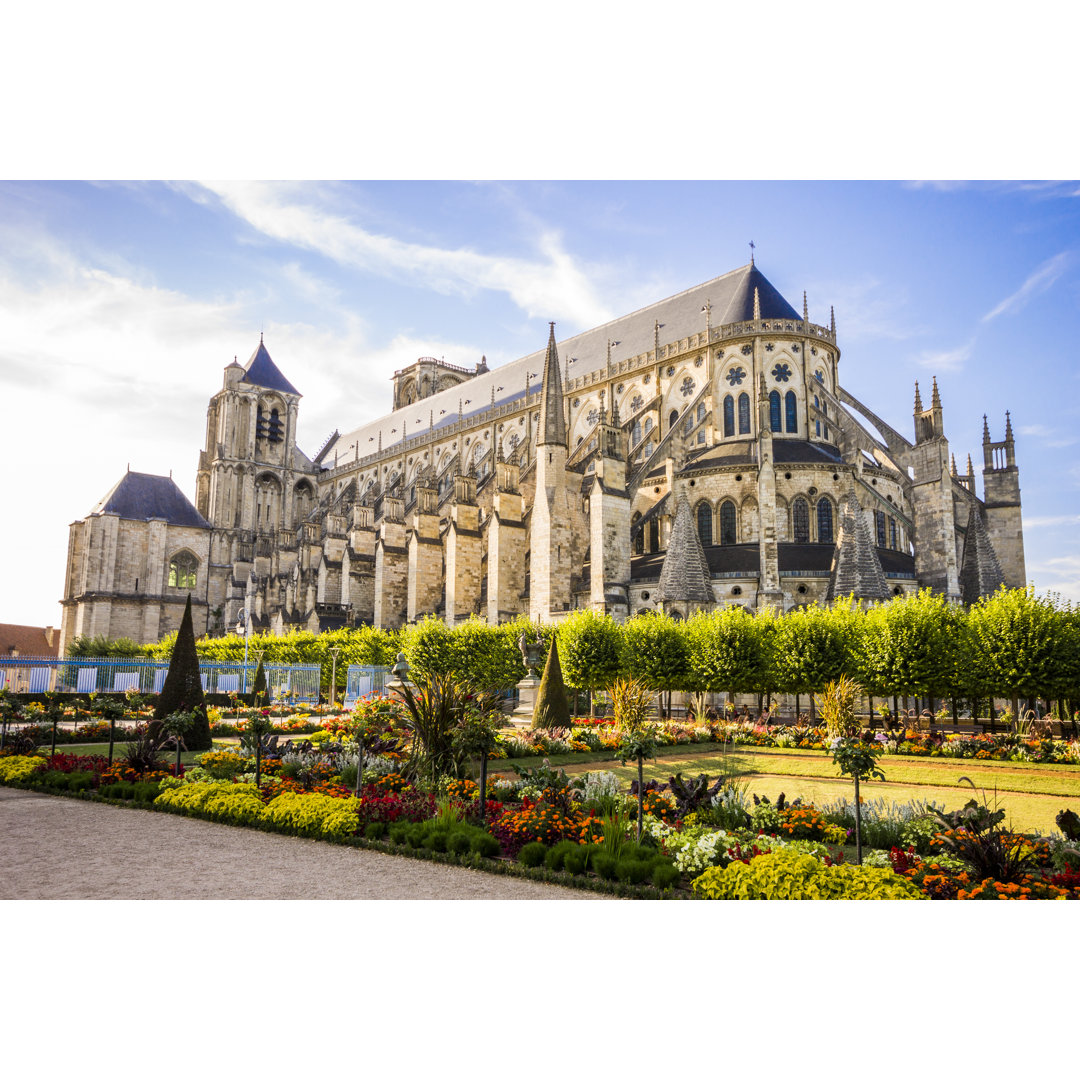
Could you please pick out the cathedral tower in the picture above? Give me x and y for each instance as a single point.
(1001, 493)
(550, 534)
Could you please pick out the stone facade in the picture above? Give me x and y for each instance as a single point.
(554, 482)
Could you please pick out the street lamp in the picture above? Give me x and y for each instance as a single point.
(333, 674)
(243, 628)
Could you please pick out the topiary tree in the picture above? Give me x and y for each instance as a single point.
(259, 688)
(590, 651)
(182, 691)
(551, 709)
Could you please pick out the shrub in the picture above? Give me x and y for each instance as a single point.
(375, 830)
(532, 854)
(320, 816)
(146, 791)
(484, 844)
(458, 843)
(554, 860)
(575, 860)
(551, 710)
(399, 832)
(633, 870)
(788, 875)
(605, 865)
(19, 768)
(664, 874)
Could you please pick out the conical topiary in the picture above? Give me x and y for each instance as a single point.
(552, 709)
(183, 690)
(259, 689)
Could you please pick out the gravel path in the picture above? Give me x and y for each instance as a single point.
(55, 848)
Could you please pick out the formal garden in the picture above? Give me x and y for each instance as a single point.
(912, 751)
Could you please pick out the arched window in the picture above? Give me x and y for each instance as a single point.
(800, 521)
(639, 536)
(744, 414)
(673, 418)
(728, 533)
(879, 521)
(729, 416)
(654, 535)
(648, 424)
(825, 412)
(791, 410)
(704, 524)
(183, 570)
(774, 410)
(824, 522)
(817, 422)
(635, 433)
(700, 411)
(892, 533)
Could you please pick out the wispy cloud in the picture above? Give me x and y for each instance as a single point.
(867, 309)
(1048, 436)
(1051, 521)
(1037, 282)
(946, 359)
(552, 285)
(1060, 574)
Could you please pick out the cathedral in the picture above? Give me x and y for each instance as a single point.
(699, 452)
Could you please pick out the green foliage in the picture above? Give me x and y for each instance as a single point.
(102, 645)
(314, 815)
(789, 875)
(182, 691)
(551, 710)
(655, 650)
(590, 650)
(259, 690)
(1024, 644)
(838, 708)
(858, 759)
(533, 854)
(485, 656)
(664, 874)
(812, 646)
(631, 703)
(729, 650)
(912, 645)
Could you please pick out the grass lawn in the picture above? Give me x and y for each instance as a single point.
(1032, 795)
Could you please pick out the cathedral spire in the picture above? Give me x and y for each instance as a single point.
(552, 418)
(1008, 427)
(918, 398)
(954, 472)
(684, 577)
(832, 320)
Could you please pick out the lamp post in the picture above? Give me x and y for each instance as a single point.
(242, 628)
(333, 674)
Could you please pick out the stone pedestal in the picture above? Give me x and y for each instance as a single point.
(527, 690)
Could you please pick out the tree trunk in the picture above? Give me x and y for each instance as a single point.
(640, 794)
(858, 825)
(796, 708)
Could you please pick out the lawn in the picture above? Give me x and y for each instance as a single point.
(1031, 794)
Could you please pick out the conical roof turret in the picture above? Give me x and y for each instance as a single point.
(856, 568)
(552, 415)
(980, 571)
(684, 577)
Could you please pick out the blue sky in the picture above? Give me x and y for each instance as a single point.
(121, 303)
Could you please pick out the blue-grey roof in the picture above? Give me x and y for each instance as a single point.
(262, 371)
(731, 299)
(140, 497)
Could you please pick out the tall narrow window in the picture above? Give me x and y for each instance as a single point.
(800, 521)
(879, 521)
(654, 535)
(744, 414)
(182, 570)
(817, 423)
(892, 533)
(673, 418)
(824, 522)
(728, 534)
(635, 433)
(704, 524)
(791, 409)
(639, 536)
(700, 411)
(729, 416)
(774, 411)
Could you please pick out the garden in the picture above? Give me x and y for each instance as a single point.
(839, 802)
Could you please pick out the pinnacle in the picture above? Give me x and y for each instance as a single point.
(918, 398)
(935, 401)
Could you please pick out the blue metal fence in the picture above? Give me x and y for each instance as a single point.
(364, 679)
(87, 675)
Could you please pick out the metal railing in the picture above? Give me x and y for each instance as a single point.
(88, 675)
(364, 679)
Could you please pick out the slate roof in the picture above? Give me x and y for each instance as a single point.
(856, 567)
(262, 371)
(980, 571)
(732, 300)
(141, 496)
(685, 574)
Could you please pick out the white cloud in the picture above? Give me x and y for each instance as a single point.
(1060, 575)
(946, 359)
(866, 309)
(1037, 282)
(1051, 521)
(554, 286)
